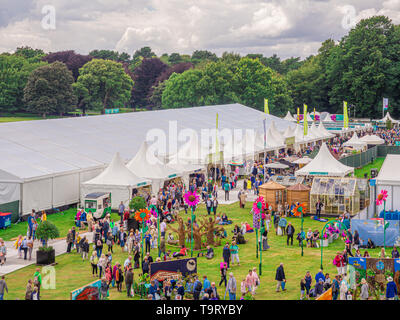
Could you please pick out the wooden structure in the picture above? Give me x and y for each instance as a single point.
(273, 193)
(299, 193)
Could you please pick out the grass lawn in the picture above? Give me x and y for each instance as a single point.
(359, 173)
(63, 220)
(72, 273)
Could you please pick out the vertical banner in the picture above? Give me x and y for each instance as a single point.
(298, 115)
(266, 107)
(385, 106)
(305, 123)
(345, 115)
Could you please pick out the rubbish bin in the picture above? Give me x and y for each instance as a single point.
(5, 220)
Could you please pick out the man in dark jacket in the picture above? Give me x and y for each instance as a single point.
(129, 281)
(318, 207)
(395, 253)
(226, 254)
(197, 286)
(290, 233)
(212, 290)
(280, 277)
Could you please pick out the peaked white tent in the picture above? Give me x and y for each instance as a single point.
(328, 118)
(314, 130)
(372, 139)
(389, 179)
(309, 119)
(289, 132)
(117, 179)
(299, 134)
(276, 133)
(324, 131)
(325, 164)
(388, 117)
(146, 165)
(355, 142)
(289, 117)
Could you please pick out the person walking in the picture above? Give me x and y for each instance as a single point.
(69, 240)
(223, 269)
(37, 280)
(3, 252)
(308, 282)
(234, 253)
(129, 280)
(231, 287)
(197, 286)
(335, 287)
(94, 261)
(3, 287)
(280, 277)
(290, 232)
(318, 208)
(226, 254)
(121, 209)
(28, 291)
(226, 189)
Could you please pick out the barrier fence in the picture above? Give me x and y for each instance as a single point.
(363, 158)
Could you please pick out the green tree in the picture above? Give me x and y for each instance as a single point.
(14, 73)
(47, 231)
(103, 84)
(361, 65)
(203, 55)
(49, 90)
(33, 55)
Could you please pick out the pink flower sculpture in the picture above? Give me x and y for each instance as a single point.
(382, 196)
(192, 199)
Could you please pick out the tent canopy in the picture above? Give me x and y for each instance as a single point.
(117, 174)
(289, 117)
(372, 139)
(325, 164)
(389, 173)
(355, 142)
(388, 117)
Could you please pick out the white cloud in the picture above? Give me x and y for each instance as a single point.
(286, 27)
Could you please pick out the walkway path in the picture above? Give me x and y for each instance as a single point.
(14, 263)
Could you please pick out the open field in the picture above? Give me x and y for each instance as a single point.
(72, 273)
(359, 173)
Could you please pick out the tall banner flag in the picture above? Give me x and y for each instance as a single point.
(385, 105)
(305, 122)
(216, 138)
(266, 108)
(345, 115)
(314, 115)
(298, 115)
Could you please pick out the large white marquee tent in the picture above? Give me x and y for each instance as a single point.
(389, 179)
(45, 162)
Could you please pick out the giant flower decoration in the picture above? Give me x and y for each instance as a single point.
(142, 215)
(382, 196)
(299, 209)
(258, 205)
(333, 117)
(316, 117)
(192, 199)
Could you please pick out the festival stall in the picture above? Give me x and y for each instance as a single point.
(273, 193)
(337, 195)
(325, 164)
(117, 179)
(299, 193)
(389, 179)
(355, 143)
(386, 118)
(148, 166)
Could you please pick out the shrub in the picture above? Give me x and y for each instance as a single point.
(46, 231)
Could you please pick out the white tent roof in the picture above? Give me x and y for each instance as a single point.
(314, 130)
(289, 132)
(389, 173)
(145, 164)
(289, 117)
(303, 160)
(372, 139)
(117, 174)
(388, 117)
(309, 119)
(328, 118)
(192, 152)
(354, 142)
(324, 131)
(324, 164)
(299, 134)
(276, 133)
(276, 165)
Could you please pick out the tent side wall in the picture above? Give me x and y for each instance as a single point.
(10, 194)
(118, 194)
(393, 199)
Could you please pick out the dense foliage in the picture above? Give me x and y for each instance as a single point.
(47, 231)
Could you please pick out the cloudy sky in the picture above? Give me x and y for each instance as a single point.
(285, 27)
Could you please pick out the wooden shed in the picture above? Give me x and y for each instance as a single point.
(299, 193)
(273, 193)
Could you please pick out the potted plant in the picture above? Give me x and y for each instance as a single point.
(45, 231)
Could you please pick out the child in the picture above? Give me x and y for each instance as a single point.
(35, 293)
(302, 288)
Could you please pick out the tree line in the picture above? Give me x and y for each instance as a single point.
(361, 68)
